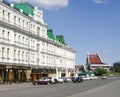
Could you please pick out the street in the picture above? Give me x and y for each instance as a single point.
(90, 88)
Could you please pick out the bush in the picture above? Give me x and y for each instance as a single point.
(100, 71)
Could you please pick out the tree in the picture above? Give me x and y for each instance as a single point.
(116, 67)
(100, 71)
(112, 69)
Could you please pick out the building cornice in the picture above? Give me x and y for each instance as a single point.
(26, 16)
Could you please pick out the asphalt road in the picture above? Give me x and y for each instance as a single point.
(86, 89)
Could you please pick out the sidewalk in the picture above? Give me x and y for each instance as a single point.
(14, 86)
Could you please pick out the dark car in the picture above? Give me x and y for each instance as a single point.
(77, 80)
(73, 78)
(42, 81)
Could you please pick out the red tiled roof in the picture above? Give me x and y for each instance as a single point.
(94, 59)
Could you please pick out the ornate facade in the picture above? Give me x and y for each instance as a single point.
(28, 49)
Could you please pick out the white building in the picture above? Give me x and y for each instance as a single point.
(26, 50)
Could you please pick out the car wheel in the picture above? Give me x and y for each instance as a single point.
(33, 83)
(48, 83)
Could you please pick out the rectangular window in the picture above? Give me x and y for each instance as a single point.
(18, 55)
(26, 56)
(19, 38)
(33, 58)
(8, 53)
(23, 41)
(8, 35)
(15, 54)
(3, 14)
(38, 47)
(23, 56)
(3, 52)
(23, 24)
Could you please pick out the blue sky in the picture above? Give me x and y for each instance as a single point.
(89, 26)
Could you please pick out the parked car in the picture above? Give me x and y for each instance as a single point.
(104, 77)
(78, 80)
(42, 81)
(60, 80)
(53, 80)
(56, 81)
(95, 77)
(85, 78)
(73, 78)
(67, 80)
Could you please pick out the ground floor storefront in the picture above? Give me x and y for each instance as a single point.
(12, 73)
(20, 73)
(37, 73)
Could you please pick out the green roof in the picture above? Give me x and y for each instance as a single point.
(60, 39)
(27, 8)
(50, 34)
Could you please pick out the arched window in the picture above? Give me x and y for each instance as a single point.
(14, 19)
(19, 22)
(27, 25)
(31, 27)
(38, 30)
(3, 34)
(23, 23)
(14, 37)
(8, 16)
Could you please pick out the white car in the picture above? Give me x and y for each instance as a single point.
(104, 77)
(69, 80)
(95, 77)
(85, 78)
(60, 80)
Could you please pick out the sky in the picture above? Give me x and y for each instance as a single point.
(89, 26)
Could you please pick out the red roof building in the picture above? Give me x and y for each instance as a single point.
(94, 61)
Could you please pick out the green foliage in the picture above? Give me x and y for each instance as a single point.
(112, 69)
(100, 71)
(116, 67)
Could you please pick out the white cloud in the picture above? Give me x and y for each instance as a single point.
(49, 4)
(101, 1)
(108, 51)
